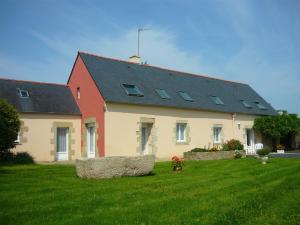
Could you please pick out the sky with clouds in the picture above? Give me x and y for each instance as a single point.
(255, 41)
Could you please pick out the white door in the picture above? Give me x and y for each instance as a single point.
(90, 142)
(62, 143)
(144, 140)
(250, 141)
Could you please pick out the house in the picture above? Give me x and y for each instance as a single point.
(50, 119)
(130, 108)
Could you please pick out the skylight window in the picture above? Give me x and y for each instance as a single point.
(23, 93)
(132, 90)
(217, 100)
(260, 106)
(162, 93)
(185, 96)
(246, 104)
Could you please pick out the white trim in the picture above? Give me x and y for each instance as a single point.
(62, 155)
(91, 146)
(181, 132)
(217, 131)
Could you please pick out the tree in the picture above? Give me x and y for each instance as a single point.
(9, 126)
(278, 126)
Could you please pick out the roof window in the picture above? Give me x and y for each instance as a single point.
(132, 90)
(217, 100)
(162, 93)
(185, 96)
(260, 106)
(246, 104)
(23, 93)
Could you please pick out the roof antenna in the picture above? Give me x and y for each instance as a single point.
(139, 31)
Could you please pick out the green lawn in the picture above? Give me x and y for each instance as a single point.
(208, 192)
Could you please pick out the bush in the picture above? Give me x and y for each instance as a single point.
(238, 154)
(232, 145)
(16, 158)
(263, 151)
(23, 158)
(199, 150)
(9, 126)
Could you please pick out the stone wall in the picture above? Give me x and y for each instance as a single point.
(115, 166)
(210, 155)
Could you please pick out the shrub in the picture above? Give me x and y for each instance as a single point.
(9, 126)
(23, 158)
(199, 150)
(263, 151)
(238, 154)
(177, 163)
(215, 148)
(16, 158)
(280, 147)
(233, 145)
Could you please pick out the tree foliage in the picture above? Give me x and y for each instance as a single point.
(277, 126)
(9, 126)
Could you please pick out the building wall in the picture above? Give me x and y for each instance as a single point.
(91, 104)
(123, 125)
(38, 135)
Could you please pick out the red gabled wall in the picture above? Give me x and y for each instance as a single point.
(91, 103)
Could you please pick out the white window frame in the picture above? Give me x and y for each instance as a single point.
(18, 140)
(181, 133)
(217, 133)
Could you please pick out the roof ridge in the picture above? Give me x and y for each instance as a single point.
(34, 82)
(161, 68)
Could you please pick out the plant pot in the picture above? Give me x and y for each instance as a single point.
(280, 151)
(264, 159)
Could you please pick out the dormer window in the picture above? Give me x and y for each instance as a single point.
(23, 93)
(260, 106)
(217, 100)
(246, 104)
(162, 93)
(185, 96)
(132, 90)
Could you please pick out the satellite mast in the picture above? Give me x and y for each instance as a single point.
(139, 31)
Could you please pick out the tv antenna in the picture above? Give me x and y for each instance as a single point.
(139, 31)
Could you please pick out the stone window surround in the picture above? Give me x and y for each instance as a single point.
(152, 137)
(88, 122)
(53, 140)
(187, 133)
(222, 134)
(23, 129)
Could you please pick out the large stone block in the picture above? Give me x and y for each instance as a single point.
(115, 166)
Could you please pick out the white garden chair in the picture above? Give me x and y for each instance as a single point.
(258, 146)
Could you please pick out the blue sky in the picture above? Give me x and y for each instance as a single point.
(255, 42)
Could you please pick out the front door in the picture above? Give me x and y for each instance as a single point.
(144, 140)
(90, 142)
(62, 144)
(250, 138)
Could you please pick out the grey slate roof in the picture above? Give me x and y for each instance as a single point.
(110, 74)
(43, 97)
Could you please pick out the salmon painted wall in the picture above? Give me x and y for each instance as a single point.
(91, 103)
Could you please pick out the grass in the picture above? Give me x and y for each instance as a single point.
(208, 192)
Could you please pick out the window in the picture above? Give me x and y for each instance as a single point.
(180, 132)
(185, 96)
(23, 94)
(246, 104)
(18, 138)
(260, 106)
(78, 92)
(217, 134)
(132, 90)
(217, 100)
(162, 93)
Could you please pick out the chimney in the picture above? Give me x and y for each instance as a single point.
(135, 59)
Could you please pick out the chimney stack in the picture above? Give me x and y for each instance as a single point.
(135, 59)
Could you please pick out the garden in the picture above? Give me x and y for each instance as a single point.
(205, 192)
